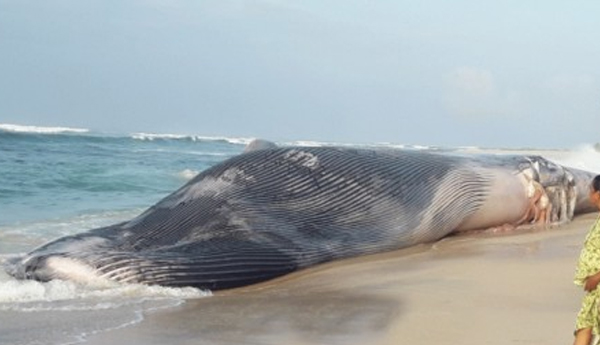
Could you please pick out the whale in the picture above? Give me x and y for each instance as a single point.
(271, 210)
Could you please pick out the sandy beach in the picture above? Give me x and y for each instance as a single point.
(475, 289)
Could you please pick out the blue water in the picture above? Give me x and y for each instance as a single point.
(61, 181)
(61, 177)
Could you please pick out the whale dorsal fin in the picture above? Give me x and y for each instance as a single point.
(259, 144)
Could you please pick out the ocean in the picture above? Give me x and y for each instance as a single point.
(59, 181)
(56, 181)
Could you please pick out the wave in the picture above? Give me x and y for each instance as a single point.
(7, 127)
(74, 133)
(584, 157)
(29, 295)
(85, 134)
(37, 231)
(29, 308)
(149, 137)
(187, 137)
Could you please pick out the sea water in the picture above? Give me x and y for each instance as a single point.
(57, 181)
(61, 181)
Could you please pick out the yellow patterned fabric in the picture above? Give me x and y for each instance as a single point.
(589, 264)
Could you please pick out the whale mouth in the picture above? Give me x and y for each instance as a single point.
(47, 267)
(11, 265)
(28, 267)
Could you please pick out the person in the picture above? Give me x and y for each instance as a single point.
(588, 275)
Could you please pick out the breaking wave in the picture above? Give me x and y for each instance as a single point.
(40, 129)
(167, 136)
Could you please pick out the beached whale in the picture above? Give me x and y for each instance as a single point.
(271, 211)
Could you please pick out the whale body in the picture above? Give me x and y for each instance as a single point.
(271, 211)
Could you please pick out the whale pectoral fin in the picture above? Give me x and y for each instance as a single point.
(206, 265)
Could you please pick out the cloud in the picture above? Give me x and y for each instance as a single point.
(470, 93)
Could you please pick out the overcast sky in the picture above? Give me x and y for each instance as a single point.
(451, 73)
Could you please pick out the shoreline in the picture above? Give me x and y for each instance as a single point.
(473, 289)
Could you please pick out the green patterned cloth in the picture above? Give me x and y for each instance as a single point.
(589, 264)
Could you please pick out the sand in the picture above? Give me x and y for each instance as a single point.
(477, 289)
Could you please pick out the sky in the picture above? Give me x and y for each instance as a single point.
(431, 72)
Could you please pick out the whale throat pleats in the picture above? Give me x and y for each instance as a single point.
(272, 211)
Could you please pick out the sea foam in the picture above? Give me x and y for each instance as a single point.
(168, 136)
(584, 157)
(40, 129)
(44, 230)
(64, 312)
(29, 295)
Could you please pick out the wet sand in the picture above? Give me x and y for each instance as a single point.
(475, 289)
